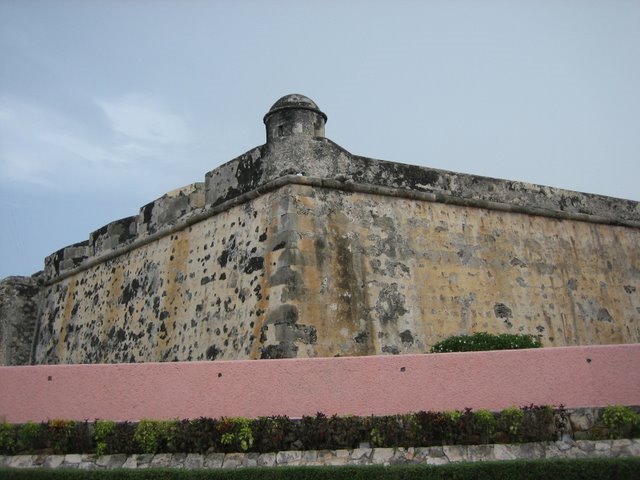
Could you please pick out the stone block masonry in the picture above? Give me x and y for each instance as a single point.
(359, 457)
(20, 298)
(299, 249)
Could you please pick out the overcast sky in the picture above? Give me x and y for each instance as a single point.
(107, 105)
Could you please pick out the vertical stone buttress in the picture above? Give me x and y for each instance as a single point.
(19, 301)
(292, 118)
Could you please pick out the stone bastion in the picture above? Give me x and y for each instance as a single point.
(298, 248)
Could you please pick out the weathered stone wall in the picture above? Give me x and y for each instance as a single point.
(306, 271)
(299, 248)
(195, 294)
(19, 300)
(374, 274)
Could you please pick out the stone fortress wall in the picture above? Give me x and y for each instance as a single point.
(300, 249)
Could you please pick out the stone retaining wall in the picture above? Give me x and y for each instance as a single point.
(359, 456)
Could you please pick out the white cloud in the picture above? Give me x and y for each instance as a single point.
(83, 149)
(140, 118)
(46, 146)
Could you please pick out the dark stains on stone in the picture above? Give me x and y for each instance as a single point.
(362, 337)
(254, 263)
(121, 335)
(516, 262)
(391, 349)
(162, 331)
(147, 211)
(406, 176)
(406, 337)
(212, 352)
(229, 306)
(287, 314)
(248, 176)
(293, 281)
(129, 291)
(279, 246)
(223, 258)
(604, 315)
(391, 304)
(278, 351)
(284, 321)
(156, 306)
(503, 312)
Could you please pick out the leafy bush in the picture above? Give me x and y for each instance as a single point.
(7, 438)
(485, 425)
(268, 434)
(32, 437)
(198, 435)
(621, 421)
(237, 435)
(391, 430)
(153, 436)
(61, 434)
(102, 433)
(278, 432)
(510, 421)
(537, 423)
(482, 341)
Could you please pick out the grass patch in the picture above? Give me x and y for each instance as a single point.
(578, 469)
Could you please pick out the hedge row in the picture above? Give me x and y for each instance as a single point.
(483, 341)
(270, 434)
(579, 469)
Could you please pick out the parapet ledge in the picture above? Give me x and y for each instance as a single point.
(154, 217)
(321, 163)
(494, 193)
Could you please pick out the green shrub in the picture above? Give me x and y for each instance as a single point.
(153, 436)
(538, 423)
(197, 436)
(238, 435)
(621, 421)
(102, 432)
(482, 341)
(275, 433)
(485, 424)
(7, 438)
(61, 434)
(510, 420)
(30, 437)
(269, 434)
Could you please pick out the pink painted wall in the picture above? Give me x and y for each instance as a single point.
(573, 376)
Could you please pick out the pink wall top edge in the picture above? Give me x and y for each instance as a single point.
(375, 385)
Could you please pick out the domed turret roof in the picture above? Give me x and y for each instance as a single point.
(294, 101)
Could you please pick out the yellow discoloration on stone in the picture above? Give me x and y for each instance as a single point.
(367, 274)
